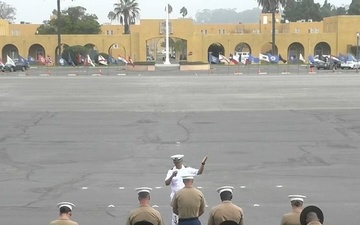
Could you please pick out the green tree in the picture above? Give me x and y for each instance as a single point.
(302, 9)
(272, 6)
(71, 53)
(125, 11)
(341, 11)
(327, 10)
(354, 8)
(183, 11)
(170, 9)
(7, 12)
(73, 20)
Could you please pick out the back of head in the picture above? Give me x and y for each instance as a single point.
(64, 210)
(296, 203)
(311, 216)
(144, 195)
(226, 196)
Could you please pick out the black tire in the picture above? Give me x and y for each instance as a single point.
(11, 69)
(23, 68)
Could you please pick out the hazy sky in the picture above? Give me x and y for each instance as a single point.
(35, 11)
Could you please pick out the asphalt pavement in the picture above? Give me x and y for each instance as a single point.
(92, 140)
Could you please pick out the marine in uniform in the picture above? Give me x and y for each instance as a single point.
(188, 203)
(293, 217)
(226, 211)
(65, 209)
(174, 177)
(311, 215)
(144, 213)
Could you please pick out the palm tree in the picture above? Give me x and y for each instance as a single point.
(169, 8)
(125, 11)
(183, 11)
(272, 6)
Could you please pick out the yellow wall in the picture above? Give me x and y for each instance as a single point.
(338, 32)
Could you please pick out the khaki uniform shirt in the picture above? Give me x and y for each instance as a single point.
(292, 218)
(314, 223)
(145, 213)
(63, 222)
(226, 211)
(188, 202)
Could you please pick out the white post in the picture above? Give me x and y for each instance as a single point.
(167, 60)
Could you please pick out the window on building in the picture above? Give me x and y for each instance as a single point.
(112, 32)
(297, 31)
(15, 32)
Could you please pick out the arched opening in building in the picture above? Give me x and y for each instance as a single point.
(295, 49)
(322, 48)
(11, 51)
(215, 49)
(267, 48)
(35, 51)
(156, 49)
(243, 47)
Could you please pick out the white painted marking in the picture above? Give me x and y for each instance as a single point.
(256, 205)
(121, 74)
(279, 186)
(121, 188)
(84, 188)
(155, 206)
(111, 206)
(206, 206)
(199, 187)
(178, 142)
(238, 73)
(242, 187)
(96, 75)
(157, 187)
(139, 74)
(195, 74)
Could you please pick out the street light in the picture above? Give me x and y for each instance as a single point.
(357, 45)
(167, 60)
(58, 29)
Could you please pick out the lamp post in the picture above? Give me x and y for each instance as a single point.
(58, 30)
(357, 45)
(167, 60)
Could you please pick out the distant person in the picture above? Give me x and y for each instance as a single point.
(174, 177)
(226, 211)
(65, 209)
(188, 203)
(144, 213)
(293, 217)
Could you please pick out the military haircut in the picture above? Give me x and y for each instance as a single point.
(296, 203)
(143, 195)
(226, 196)
(64, 209)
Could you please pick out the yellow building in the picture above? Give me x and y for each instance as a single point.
(333, 35)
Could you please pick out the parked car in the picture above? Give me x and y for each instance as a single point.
(350, 65)
(18, 66)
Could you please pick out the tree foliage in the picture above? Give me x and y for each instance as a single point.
(183, 11)
(307, 9)
(7, 12)
(73, 20)
(227, 16)
(72, 53)
(126, 12)
(269, 6)
(354, 8)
